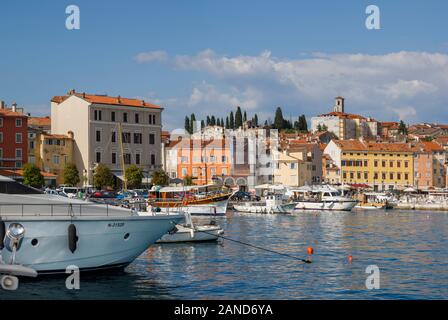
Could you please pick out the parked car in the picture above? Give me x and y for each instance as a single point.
(104, 194)
(69, 192)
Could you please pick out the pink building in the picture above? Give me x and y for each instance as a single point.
(429, 165)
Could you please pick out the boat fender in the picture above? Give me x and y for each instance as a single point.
(72, 238)
(2, 234)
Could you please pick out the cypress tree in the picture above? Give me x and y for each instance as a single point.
(208, 120)
(232, 121)
(187, 124)
(256, 120)
(212, 121)
(227, 123)
(192, 122)
(222, 122)
(202, 124)
(279, 122)
(244, 116)
(238, 118)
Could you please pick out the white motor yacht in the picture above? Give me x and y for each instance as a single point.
(47, 233)
(321, 197)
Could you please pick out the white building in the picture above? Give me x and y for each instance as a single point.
(95, 122)
(345, 125)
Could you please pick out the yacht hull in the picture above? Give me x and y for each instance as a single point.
(103, 242)
(326, 205)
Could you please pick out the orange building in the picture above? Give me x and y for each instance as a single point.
(429, 165)
(204, 160)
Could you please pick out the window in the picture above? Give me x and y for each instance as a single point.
(18, 138)
(112, 116)
(366, 175)
(351, 175)
(184, 172)
(383, 176)
(153, 159)
(406, 176)
(19, 153)
(98, 136)
(1, 137)
(31, 143)
(137, 118)
(97, 115)
(114, 158)
(153, 119)
(195, 172)
(391, 176)
(1, 122)
(151, 138)
(1, 153)
(344, 175)
(19, 164)
(126, 136)
(375, 163)
(137, 138)
(398, 164)
(212, 159)
(137, 158)
(55, 159)
(398, 176)
(213, 171)
(223, 159)
(114, 137)
(125, 117)
(366, 163)
(406, 164)
(98, 157)
(391, 164)
(18, 122)
(224, 171)
(292, 166)
(150, 119)
(383, 164)
(375, 176)
(127, 158)
(358, 175)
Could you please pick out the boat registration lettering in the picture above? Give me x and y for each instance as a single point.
(115, 225)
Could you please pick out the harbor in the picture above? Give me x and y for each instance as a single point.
(409, 247)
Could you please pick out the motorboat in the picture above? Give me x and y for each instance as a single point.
(273, 203)
(196, 200)
(45, 234)
(321, 197)
(190, 232)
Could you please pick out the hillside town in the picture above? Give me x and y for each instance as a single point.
(89, 130)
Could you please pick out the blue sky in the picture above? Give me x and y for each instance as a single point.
(209, 56)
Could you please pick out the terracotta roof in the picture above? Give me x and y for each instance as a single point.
(356, 145)
(10, 113)
(19, 173)
(103, 99)
(442, 140)
(390, 125)
(428, 146)
(39, 121)
(56, 136)
(343, 115)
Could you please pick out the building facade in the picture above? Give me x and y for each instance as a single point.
(13, 137)
(96, 122)
(345, 125)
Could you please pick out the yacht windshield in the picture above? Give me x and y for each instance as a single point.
(13, 187)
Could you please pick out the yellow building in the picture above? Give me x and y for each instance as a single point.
(52, 152)
(292, 168)
(383, 166)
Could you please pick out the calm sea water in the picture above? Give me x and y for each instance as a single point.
(410, 248)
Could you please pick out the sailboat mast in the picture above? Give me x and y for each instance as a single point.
(125, 182)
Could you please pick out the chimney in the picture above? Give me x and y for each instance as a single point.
(143, 102)
(70, 134)
(2, 104)
(119, 99)
(14, 107)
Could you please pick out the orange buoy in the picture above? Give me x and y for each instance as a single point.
(350, 258)
(310, 250)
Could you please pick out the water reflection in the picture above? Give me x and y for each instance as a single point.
(410, 248)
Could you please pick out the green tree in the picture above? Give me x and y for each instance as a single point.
(133, 176)
(227, 123)
(222, 122)
(279, 122)
(208, 120)
(202, 124)
(32, 176)
(256, 120)
(71, 175)
(319, 127)
(192, 122)
(188, 180)
(244, 116)
(160, 178)
(213, 121)
(238, 118)
(302, 123)
(102, 177)
(231, 121)
(187, 124)
(402, 129)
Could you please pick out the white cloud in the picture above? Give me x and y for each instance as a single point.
(410, 85)
(151, 56)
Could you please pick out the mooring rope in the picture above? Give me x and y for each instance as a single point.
(256, 247)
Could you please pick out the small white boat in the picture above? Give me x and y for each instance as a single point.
(188, 232)
(272, 204)
(322, 198)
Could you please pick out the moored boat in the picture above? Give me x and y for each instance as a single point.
(321, 198)
(48, 233)
(272, 204)
(196, 200)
